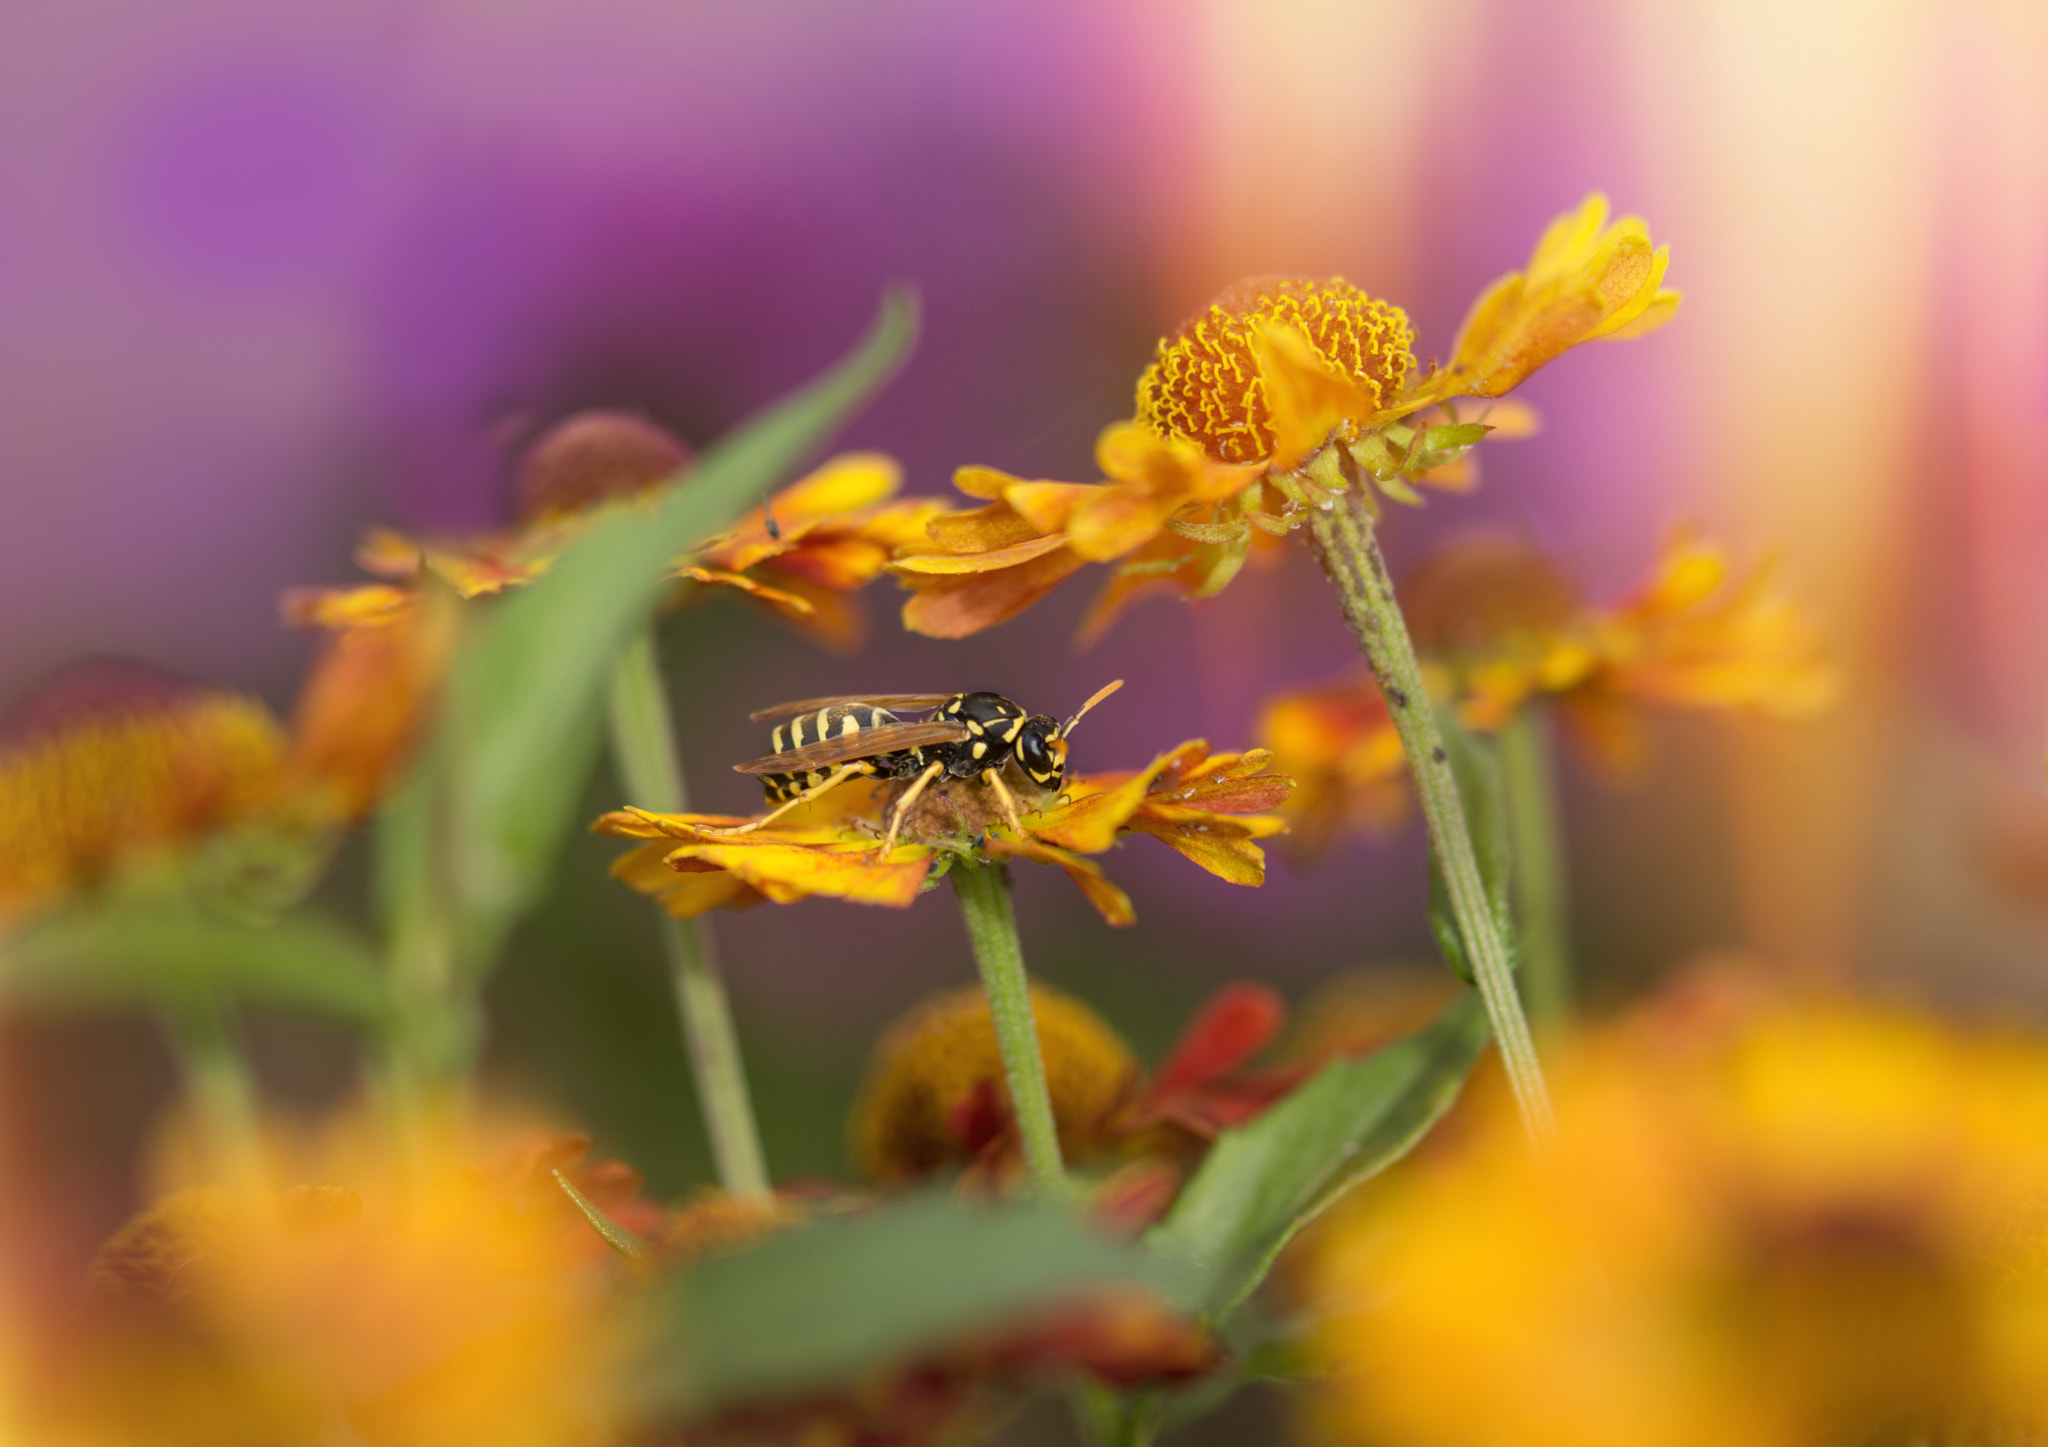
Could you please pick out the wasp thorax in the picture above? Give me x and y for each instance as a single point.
(1206, 385)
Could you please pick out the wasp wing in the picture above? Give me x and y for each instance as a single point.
(877, 700)
(866, 744)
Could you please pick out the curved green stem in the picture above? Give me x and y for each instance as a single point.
(1348, 546)
(643, 743)
(984, 894)
(1528, 772)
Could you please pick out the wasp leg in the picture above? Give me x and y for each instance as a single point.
(995, 781)
(932, 771)
(838, 776)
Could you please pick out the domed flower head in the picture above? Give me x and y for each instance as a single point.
(117, 766)
(799, 555)
(935, 1096)
(1281, 394)
(1783, 1226)
(1208, 807)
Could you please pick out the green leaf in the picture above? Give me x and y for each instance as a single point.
(1483, 795)
(615, 1236)
(125, 955)
(825, 1306)
(1264, 1181)
(522, 724)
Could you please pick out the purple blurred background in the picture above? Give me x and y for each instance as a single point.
(269, 275)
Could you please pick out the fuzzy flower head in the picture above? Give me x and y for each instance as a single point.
(1793, 1226)
(936, 1097)
(1279, 396)
(798, 555)
(1207, 807)
(117, 766)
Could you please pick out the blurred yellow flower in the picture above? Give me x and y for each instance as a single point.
(935, 1093)
(114, 766)
(1498, 625)
(1793, 1225)
(1206, 807)
(1281, 395)
(824, 536)
(1700, 633)
(419, 1305)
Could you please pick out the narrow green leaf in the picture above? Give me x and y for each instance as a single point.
(615, 1236)
(1483, 796)
(127, 955)
(1264, 1181)
(827, 1305)
(522, 726)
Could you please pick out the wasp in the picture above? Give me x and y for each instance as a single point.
(826, 741)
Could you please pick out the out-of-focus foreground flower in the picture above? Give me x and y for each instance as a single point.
(1780, 1226)
(431, 1296)
(1281, 395)
(1205, 806)
(799, 555)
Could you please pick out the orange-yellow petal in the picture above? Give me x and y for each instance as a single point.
(1110, 902)
(965, 603)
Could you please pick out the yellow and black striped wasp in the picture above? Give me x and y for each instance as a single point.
(826, 741)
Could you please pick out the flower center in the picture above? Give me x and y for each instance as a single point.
(120, 779)
(1206, 387)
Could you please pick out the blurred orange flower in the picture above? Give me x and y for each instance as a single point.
(115, 766)
(1794, 1225)
(817, 540)
(1205, 806)
(1498, 624)
(417, 1305)
(1280, 396)
(1700, 633)
(1337, 741)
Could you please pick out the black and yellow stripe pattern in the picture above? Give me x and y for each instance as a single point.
(843, 720)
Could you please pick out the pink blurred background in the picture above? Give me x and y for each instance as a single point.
(270, 274)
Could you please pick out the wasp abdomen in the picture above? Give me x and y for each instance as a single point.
(840, 720)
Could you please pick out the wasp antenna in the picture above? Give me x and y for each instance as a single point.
(1100, 694)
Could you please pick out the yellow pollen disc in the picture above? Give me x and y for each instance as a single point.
(1205, 385)
(120, 782)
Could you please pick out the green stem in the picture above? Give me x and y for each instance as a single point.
(1528, 772)
(220, 1084)
(643, 743)
(1349, 548)
(984, 894)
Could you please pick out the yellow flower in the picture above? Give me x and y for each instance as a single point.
(1207, 807)
(817, 540)
(416, 1304)
(1812, 1225)
(115, 767)
(935, 1091)
(1279, 396)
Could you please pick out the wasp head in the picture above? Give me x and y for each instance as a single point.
(1042, 750)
